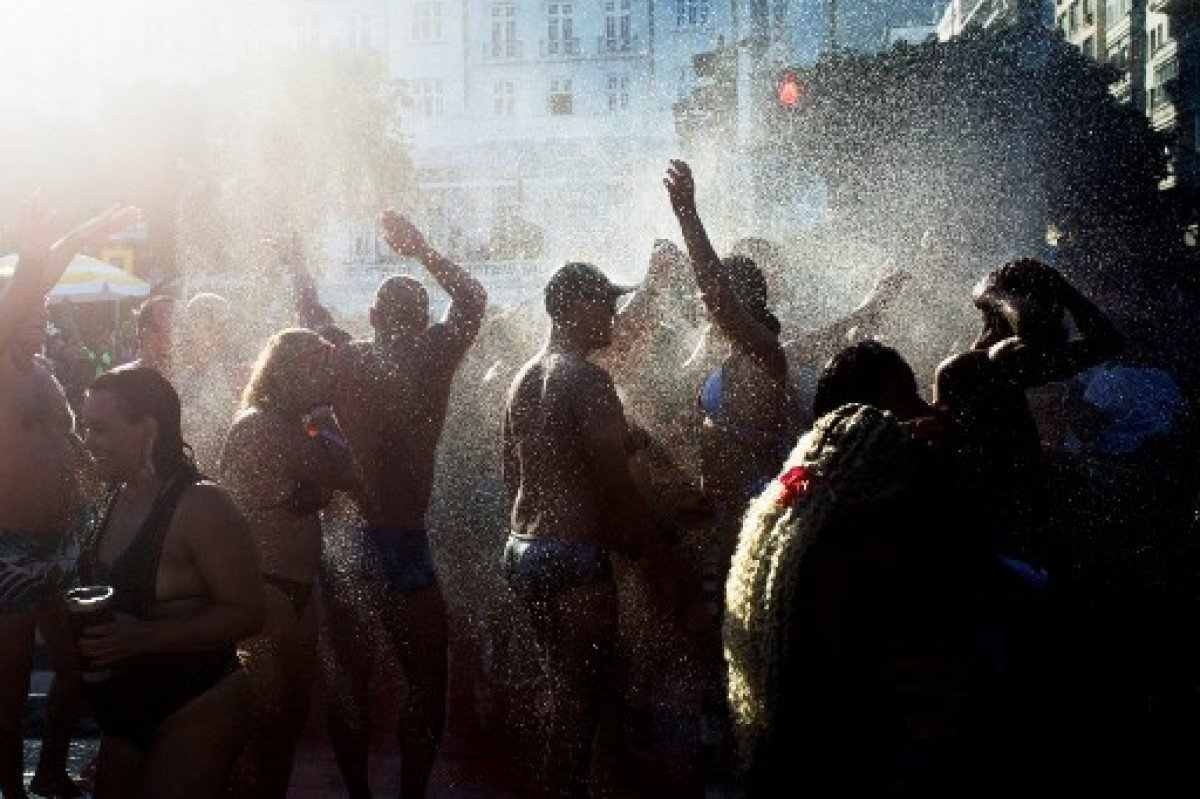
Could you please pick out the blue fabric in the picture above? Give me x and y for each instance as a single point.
(712, 395)
(1138, 403)
(404, 557)
(539, 568)
(1033, 578)
(712, 402)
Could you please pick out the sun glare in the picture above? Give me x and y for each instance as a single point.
(70, 54)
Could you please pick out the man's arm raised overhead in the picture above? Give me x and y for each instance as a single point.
(468, 299)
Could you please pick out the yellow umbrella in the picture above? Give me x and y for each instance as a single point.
(88, 279)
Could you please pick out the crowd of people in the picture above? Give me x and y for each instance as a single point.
(677, 557)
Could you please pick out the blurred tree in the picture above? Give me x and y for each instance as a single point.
(305, 143)
(990, 141)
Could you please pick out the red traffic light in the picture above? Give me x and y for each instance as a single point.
(791, 91)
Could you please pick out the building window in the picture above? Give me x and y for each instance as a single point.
(618, 93)
(1089, 13)
(779, 10)
(427, 22)
(1089, 48)
(1073, 17)
(424, 95)
(504, 31)
(1062, 24)
(562, 101)
(560, 35)
(504, 98)
(618, 25)
(691, 12)
(1166, 72)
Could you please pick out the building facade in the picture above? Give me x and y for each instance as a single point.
(1155, 46)
(540, 126)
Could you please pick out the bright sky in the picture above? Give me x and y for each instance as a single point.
(57, 54)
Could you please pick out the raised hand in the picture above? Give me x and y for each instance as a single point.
(681, 187)
(36, 230)
(402, 235)
(91, 233)
(97, 229)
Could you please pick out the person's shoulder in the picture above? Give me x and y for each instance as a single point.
(205, 508)
(252, 420)
(963, 363)
(570, 367)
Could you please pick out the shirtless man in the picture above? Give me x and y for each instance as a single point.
(40, 494)
(391, 397)
(1023, 345)
(566, 447)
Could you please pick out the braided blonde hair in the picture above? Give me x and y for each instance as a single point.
(850, 458)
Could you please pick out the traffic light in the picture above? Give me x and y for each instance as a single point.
(791, 92)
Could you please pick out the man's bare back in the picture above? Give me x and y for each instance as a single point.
(558, 495)
(392, 393)
(393, 405)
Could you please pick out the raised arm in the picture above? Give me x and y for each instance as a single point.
(26, 291)
(310, 313)
(41, 264)
(743, 329)
(1034, 365)
(816, 347)
(468, 299)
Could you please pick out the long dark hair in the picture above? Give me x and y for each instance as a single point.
(145, 394)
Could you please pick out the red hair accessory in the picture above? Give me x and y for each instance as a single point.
(796, 483)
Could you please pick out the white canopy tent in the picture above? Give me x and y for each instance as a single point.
(88, 279)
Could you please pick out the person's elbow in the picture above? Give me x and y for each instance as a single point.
(475, 302)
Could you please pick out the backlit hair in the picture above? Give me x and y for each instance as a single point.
(288, 355)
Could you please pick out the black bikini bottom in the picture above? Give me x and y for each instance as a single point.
(139, 696)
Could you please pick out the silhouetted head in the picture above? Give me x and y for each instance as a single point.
(1021, 298)
(401, 307)
(208, 323)
(293, 374)
(869, 373)
(582, 303)
(131, 424)
(749, 285)
(155, 321)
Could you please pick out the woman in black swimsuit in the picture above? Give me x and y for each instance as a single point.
(283, 457)
(185, 572)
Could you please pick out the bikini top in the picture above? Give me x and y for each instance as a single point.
(712, 400)
(134, 573)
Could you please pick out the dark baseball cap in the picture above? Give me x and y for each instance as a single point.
(579, 282)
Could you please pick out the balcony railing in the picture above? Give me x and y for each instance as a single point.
(511, 50)
(561, 48)
(617, 44)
